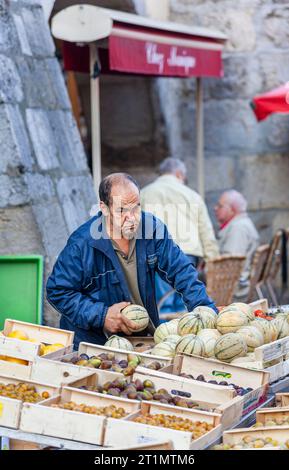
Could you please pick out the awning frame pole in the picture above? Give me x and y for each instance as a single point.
(95, 117)
(200, 136)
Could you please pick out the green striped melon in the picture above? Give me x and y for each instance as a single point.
(164, 349)
(166, 329)
(245, 308)
(230, 346)
(117, 342)
(231, 320)
(243, 360)
(194, 322)
(282, 325)
(190, 344)
(268, 328)
(203, 310)
(253, 337)
(172, 339)
(209, 338)
(138, 315)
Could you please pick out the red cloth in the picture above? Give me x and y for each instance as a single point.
(274, 101)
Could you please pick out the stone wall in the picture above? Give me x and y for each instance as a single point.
(241, 153)
(46, 189)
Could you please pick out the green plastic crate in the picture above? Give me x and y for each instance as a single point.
(21, 288)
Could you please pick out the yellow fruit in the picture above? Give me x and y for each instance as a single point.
(17, 361)
(2, 358)
(18, 334)
(42, 349)
(51, 348)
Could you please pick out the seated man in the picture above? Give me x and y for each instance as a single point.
(111, 261)
(237, 235)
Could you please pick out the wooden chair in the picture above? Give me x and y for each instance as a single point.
(223, 274)
(257, 272)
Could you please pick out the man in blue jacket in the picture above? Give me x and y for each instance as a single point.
(111, 261)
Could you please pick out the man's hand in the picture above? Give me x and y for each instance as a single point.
(116, 322)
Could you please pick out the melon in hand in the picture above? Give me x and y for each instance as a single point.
(138, 315)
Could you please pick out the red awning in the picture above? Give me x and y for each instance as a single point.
(274, 101)
(132, 49)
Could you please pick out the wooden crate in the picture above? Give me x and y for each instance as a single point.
(282, 399)
(62, 373)
(10, 409)
(260, 304)
(272, 351)
(272, 413)
(280, 433)
(258, 380)
(146, 359)
(214, 398)
(42, 334)
(137, 433)
(43, 419)
(141, 343)
(99, 377)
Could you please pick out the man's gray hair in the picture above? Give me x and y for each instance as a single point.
(237, 201)
(172, 165)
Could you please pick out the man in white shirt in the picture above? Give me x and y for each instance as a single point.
(186, 216)
(237, 235)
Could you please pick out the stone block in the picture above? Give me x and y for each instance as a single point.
(51, 224)
(241, 79)
(264, 181)
(22, 36)
(38, 85)
(8, 33)
(220, 173)
(76, 199)
(55, 76)
(42, 138)
(13, 191)
(237, 23)
(40, 187)
(10, 83)
(38, 33)
(275, 25)
(15, 221)
(67, 141)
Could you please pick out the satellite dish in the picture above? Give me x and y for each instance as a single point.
(81, 23)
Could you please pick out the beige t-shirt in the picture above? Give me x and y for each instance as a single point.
(129, 267)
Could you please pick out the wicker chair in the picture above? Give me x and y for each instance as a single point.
(223, 274)
(273, 264)
(257, 272)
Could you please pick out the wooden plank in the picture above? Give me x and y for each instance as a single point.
(282, 399)
(43, 334)
(196, 389)
(235, 436)
(19, 371)
(219, 371)
(60, 373)
(10, 409)
(47, 441)
(272, 414)
(18, 349)
(61, 423)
